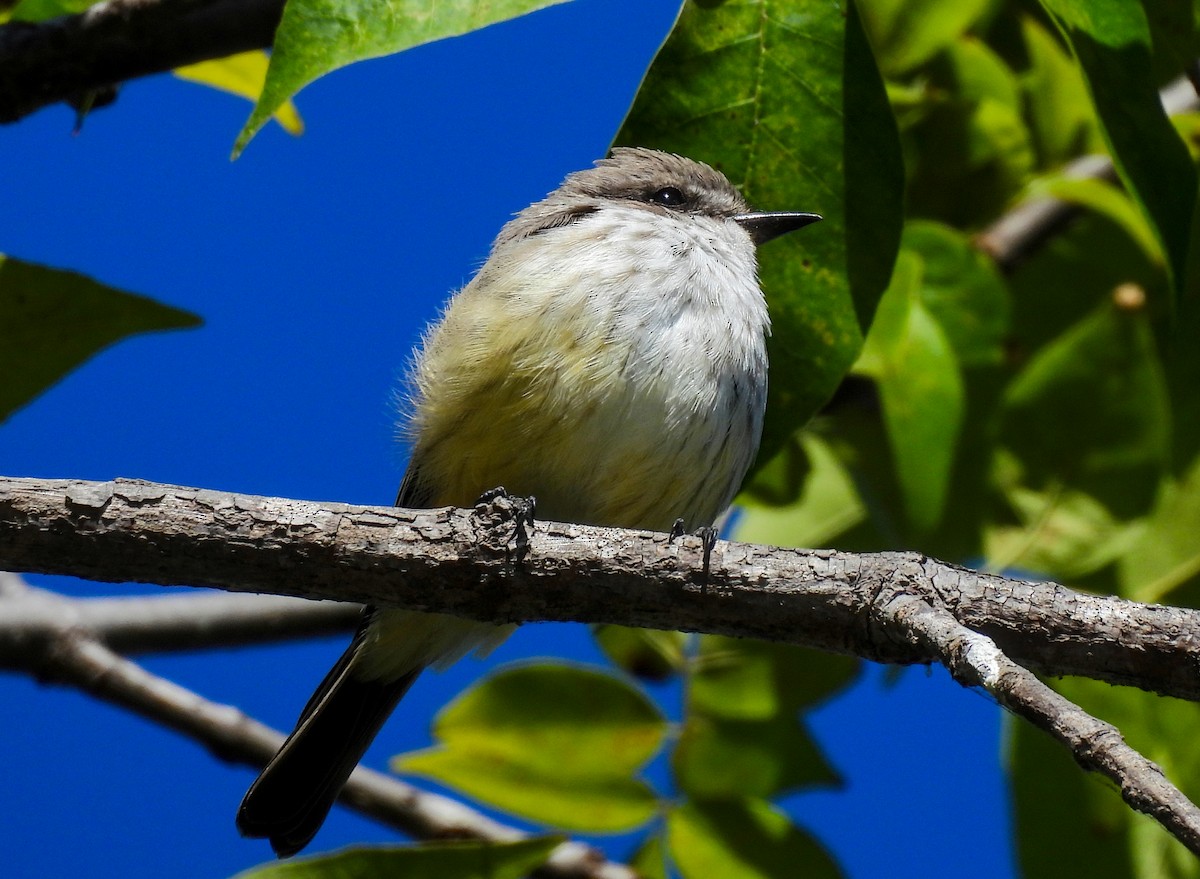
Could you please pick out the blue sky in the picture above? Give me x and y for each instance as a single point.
(315, 263)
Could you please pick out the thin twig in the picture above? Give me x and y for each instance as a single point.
(168, 623)
(975, 661)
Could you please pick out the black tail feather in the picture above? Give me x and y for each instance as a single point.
(288, 802)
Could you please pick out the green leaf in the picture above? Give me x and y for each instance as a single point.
(645, 653)
(1165, 556)
(1188, 126)
(742, 734)
(1072, 275)
(975, 73)
(51, 321)
(1060, 118)
(1183, 381)
(1060, 533)
(557, 744)
(242, 75)
(960, 288)
(971, 156)
(460, 859)
(40, 10)
(743, 839)
(907, 33)
(970, 496)
(1091, 413)
(874, 169)
(786, 100)
(744, 679)
(1173, 34)
(718, 758)
(921, 389)
(780, 480)
(825, 505)
(316, 37)
(1111, 40)
(650, 860)
(1104, 198)
(974, 150)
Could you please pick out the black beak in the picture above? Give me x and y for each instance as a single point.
(764, 226)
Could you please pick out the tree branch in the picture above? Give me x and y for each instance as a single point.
(64, 651)
(170, 623)
(975, 661)
(45, 62)
(460, 562)
(1011, 239)
(165, 623)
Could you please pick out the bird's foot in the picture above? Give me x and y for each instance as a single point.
(708, 536)
(492, 494)
(523, 521)
(521, 510)
(678, 529)
(708, 540)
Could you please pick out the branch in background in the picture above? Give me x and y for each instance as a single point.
(975, 661)
(168, 623)
(460, 562)
(45, 62)
(64, 651)
(1024, 229)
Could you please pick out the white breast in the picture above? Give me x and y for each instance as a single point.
(614, 367)
(637, 339)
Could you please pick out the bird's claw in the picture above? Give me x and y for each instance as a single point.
(708, 541)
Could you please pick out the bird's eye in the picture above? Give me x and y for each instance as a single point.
(669, 197)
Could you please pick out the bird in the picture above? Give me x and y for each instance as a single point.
(608, 358)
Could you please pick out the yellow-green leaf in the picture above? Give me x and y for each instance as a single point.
(1060, 118)
(645, 653)
(744, 679)
(743, 839)
(825, 505)
(1104, 198)
(1059, 808)
(316, 37)
(975, 73)
(921, 389)
(962, 291)
(650, 860)
(588, 804)
(907, 33)
(1059, 533)
(742, 732)
(1165, 555)
(242, 75)
(1090, 412)
(555, 743)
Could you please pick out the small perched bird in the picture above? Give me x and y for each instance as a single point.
(610, 359)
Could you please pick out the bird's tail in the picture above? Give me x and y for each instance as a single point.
(288, 802)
